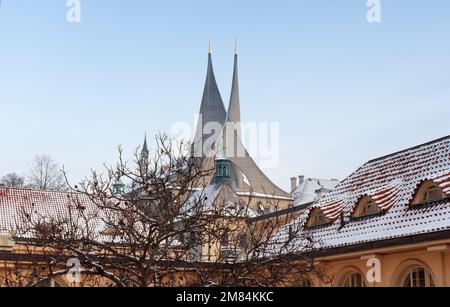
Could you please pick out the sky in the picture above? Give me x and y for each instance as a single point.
(343, 90)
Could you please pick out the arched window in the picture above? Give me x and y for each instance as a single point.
(353, 280)
(305, 283)
(366, 207)
(427, 192)
(243, 241)
(47, 283)
(418, 277)
(225, 239)
(317, 218)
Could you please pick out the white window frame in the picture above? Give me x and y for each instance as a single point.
(350, 280)
(413, 274)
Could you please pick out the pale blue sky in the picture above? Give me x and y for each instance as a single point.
(344, 90)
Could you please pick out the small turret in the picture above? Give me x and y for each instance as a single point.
(223, 170)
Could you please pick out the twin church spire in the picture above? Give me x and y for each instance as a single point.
(215, 144)
(212, 109)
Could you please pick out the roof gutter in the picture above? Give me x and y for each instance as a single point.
(385, 245)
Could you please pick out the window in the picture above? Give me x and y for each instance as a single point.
(353, 280)
(318, 218)
(366, 207)
(432, 193)
(305, 283)
(427, 192)
(243, 241)
(225, 239)
(321, 219)
(418, 277)
(371, 208)
(47, 283)
(222, 170)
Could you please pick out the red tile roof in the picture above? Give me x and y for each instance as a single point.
(392, 182)
(13, 202)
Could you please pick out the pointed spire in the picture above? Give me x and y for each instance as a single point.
(234, 109)
(212, 109)
(144, 151)
(143, 163)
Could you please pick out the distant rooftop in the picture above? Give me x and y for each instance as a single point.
(391, 182)
(308, 190)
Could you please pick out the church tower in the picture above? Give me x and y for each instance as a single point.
(243, 173)
(212, 114)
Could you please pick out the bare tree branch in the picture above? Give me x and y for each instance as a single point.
(153, 222)
(45, 174)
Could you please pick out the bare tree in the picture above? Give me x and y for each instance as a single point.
(157, 223)
(12, 180)
(45, 174)
(262, 252)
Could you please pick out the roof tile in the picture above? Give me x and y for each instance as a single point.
(392, 182)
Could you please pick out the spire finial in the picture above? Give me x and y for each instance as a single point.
(209, 46)
(235, 45)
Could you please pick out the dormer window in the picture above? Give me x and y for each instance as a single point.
(432, 193)
(366, 207)
(427, 192)
(318, 218)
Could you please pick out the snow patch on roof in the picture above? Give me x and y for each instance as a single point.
(392, 182)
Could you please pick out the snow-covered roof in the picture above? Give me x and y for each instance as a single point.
(392, 182)
(263, 195)
(218, 195)
(52, 204)
(307, 190)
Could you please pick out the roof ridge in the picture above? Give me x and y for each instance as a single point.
(314, 178)
(408, 149)
(37, 190)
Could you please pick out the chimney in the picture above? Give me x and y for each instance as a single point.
(293, 183)
(301, 179)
